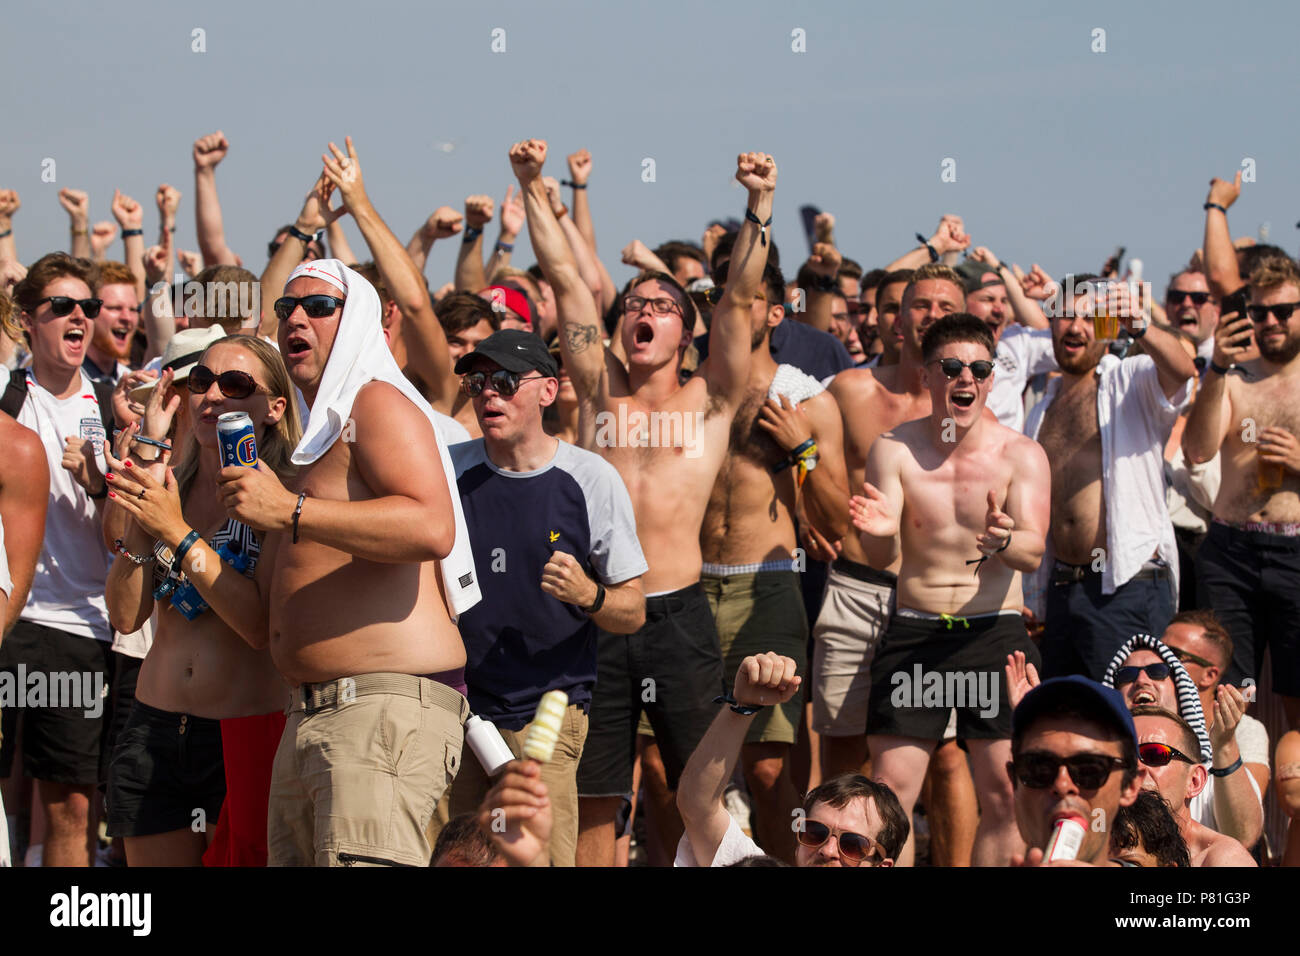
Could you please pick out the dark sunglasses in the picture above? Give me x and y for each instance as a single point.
(1189, 657)
(1037, 770)
(233, 384)
(952, 367)
(62, 305)
(316, 306)
(1257, 313)
(1159, 755)
(1176, 296)
(1127, 675)
(503, 383)
(854, 847)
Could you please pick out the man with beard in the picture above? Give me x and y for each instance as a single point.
(1249, 414)
(110, 342)
(1113, 566)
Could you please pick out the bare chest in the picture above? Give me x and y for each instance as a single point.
(1070, 423)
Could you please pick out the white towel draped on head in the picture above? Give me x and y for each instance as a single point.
(361, 355)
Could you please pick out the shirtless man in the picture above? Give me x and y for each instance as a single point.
(1248, 568)
(672, 666)
(361, 609)
(1167, 762)
(1104, 424)
(940, 488)
(856, 609)
(786, 445)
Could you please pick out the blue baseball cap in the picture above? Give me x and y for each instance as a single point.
(1103, 704)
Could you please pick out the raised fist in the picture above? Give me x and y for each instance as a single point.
(77, 204)
(527, 159)
(157, 260)
(210, 150)
(9, 202)
(191, 262)
(637, 254)
(169, 200)
(444, 223)
(512, 213)
(950, 236)
(709, 241)
(756, 172)
(764, 680)
(1037, 284)
(825, 260)
(127, 211)
(985, 255)
(478, 211)
(101, 237)
(824, 227)
(553, 194)
(580, 166)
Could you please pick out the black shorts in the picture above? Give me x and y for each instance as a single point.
(166, 767)
(61, 744)
(1252, 582)
(671, 668)
(923, 669)
(126, 671)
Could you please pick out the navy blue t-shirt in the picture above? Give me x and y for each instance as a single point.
(520, 641)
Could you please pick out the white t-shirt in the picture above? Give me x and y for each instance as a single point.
(68, 588)
(1021, 354)
(735, 846)
(1252, 743)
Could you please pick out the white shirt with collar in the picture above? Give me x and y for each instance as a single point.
(1135, 419)
(1021, 354)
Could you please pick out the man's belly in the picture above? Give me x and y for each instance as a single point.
(939, 580)
(1242, 499)
(334, 618)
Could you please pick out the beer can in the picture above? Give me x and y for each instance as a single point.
(237, 440)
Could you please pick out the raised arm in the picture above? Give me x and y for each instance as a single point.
(731, 331)
(582, 253)
(1026, 312)
(159, 322)
(1211, 416)
(77, 205)
(580, 173)
(950, 237)
(443, 223)
(425, 341)
(316, 214)
(1173, 365)
(469, 261)
(585, 357)
(208, 152)
(763, 680)
(9, 203)
(824, 263)
(512, 222)
(1221, 270)
(130, 216)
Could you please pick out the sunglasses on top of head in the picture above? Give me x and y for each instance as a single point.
(854, 847)
(951, 367)
(62, 305)
(316, 306)
(233, 384)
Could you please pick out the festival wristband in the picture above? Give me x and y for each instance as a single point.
(934, 253)
(297, 513)
(745, 710)
(6, 234)
(570, 182)
(299, 234)
(471, 233)
(1214, 367)
(505, 246)
(1228, 770)
(597, 604)
(750, 216)
(1214, 205)
(128, 233)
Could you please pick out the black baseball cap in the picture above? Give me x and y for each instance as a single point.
(1103, 704)
(976, 275)
(515, 351)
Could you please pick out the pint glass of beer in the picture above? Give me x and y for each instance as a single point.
(1105, 312)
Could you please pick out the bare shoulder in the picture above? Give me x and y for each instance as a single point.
(23, 448)
(1020, 448)
(1225, 851)
(380, 402)
(854, 382)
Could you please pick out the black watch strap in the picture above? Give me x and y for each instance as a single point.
(597, 604)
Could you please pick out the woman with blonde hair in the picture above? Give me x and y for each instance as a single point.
(209, 706)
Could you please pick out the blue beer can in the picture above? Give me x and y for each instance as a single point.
(237, 440)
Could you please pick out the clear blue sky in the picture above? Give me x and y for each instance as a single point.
(1061, 153)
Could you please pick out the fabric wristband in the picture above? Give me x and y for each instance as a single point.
(1228, 770)
(745, 710)
(751, 216)
(6, 234)
(597, 604)
(505, 246)
(299, 234)
(297, 513)
(1219, 368)
(471, 234)
(934, 253)
(570, 182)
(128, 233)
(1214, 205)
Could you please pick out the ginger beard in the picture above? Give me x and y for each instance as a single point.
(117, 321)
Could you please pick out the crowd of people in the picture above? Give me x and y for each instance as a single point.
(938, 562)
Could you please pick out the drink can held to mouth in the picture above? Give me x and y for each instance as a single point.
(1067, 838)
(237, 440)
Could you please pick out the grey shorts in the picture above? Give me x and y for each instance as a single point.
(854, 616)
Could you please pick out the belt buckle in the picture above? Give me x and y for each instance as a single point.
(307, 708)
